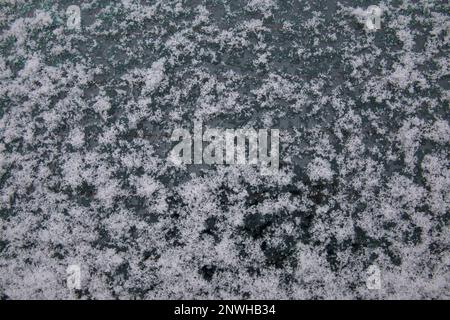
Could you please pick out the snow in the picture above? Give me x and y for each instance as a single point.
(87, 116)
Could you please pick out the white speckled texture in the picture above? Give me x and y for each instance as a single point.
(85, 123)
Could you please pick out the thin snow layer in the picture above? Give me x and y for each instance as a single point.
(87, 115)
